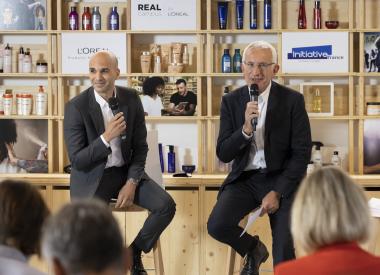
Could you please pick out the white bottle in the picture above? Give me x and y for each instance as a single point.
(335, 159)
(7, 53)
(20, 60)
(317, 157)
(157, 64)
(41, 102)
(27, 62)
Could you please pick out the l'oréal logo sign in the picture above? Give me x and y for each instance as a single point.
(145, 9)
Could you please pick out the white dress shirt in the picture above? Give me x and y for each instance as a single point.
(115, 158)
(256, 158)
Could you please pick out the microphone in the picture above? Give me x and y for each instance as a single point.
(113, 103)
(254, 96)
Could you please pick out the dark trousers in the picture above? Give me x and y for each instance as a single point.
(238, 199)
(150, 196)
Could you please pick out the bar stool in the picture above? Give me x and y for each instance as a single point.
(157, 253)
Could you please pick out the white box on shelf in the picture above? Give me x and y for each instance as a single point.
(319, 98)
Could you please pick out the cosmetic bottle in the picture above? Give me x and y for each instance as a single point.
(20, 59)
(239, 14)
(267, 14)
(317, 15)
(336, 160)
(73, 19)
(7, 57)
(157, 64)
(316, 155)
(317, 102)
(96, 19)
(222, 14)
(301, 15)
(171, 159)
(27, 62)
(226, 61)
(41, 102)
(86, 19)
(253, 14)
(185, 55)
(237, 61)
(161, 157)
(113, 19)
(1, 59)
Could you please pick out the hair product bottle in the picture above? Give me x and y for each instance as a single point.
(27, 62)
(302, 15)
(41, 102)
(20, 60)
(86, 19)
(253, 14)
(96, 19)
(171, 159)
(239, 14)
(226, 61)
(113, 19)
(7, 57)
(73, 19)
(222, 14)
(317, 15)
(267, 14)
(237, 61)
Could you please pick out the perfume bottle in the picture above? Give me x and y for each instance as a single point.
(253, 14)
(113, 19)
(96, 19)
(317, 15)
(73, 19)
(301, 15)
(267, 14)
(317, 102)
(86, 19)
(237, 61)
(226, 61)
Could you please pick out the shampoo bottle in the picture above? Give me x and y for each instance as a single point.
(171, 159)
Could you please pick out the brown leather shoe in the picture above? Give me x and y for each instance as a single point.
(254, 258)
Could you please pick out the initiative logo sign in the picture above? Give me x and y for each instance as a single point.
(313, 52)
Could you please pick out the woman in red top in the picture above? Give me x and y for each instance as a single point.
(330, 216)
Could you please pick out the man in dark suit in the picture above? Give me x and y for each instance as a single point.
(107, 166)
(268, 162)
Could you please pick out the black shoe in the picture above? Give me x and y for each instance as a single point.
(138, 267)
(254, 258)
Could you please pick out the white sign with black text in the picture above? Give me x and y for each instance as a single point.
(163, 15)
(305, 52)
(77, 48)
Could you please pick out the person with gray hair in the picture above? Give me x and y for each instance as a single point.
(265, 131)
(84, 238)
(330, 217)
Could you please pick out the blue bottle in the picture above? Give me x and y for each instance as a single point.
(226, 61)
(171, 159)
(253, 14)
(267, 14)
(237, 61)
(239, 14)
(161, 157)
(113, 19)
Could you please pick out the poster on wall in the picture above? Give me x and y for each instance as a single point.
(23, 15)
(305, 52)
(371, 146)
(77, 49)
(163, 15)
(24, 146)
(372, 52)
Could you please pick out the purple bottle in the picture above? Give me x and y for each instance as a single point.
(113, 19)
(73, 19)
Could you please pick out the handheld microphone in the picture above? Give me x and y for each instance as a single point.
(113, 103)
(254, 96)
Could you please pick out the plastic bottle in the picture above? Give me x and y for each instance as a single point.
(317, 156)
(73, 19)
(27, 62)
(86, 19)
(239, 11)
(41, 102)
(317, 15)
(267, 14)
(96, 19)
(161, 157)
(302, 15)
(335, 159)
(185, 55)
(226, 61)
(253, 14)
(20, 59)
(113, 20)
(157, 64)
(171, 159)
(7, 53)
(237, 61)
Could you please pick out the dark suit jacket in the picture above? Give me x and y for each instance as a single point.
(336, 259)
(83, 125)
(287, 136)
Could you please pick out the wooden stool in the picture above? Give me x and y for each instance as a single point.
(157, 253)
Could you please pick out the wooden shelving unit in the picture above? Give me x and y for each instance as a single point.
(192, 251)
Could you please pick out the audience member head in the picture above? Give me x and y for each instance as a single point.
(22, 213)
(153, 86)
(7, 137)
(329, 208)
(84, 238)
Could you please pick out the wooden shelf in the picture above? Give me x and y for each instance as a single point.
(28, 117)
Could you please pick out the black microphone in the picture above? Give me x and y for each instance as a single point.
(113, 103)
(254, 96)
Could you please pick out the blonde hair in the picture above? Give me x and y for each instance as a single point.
(260, 45)
(329, 208)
